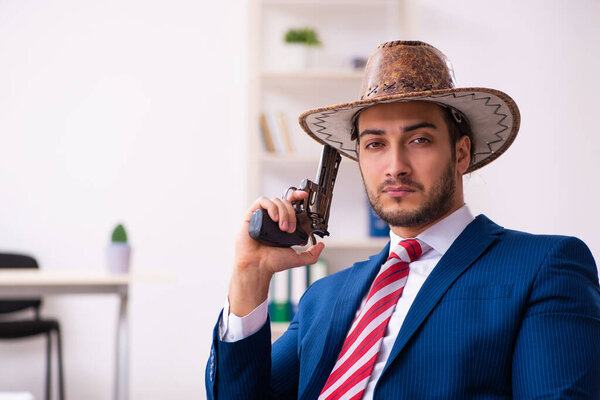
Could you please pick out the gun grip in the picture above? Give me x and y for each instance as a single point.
(263, 229)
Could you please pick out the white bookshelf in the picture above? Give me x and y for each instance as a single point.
(369, 243)
(278, 88)
(304, 77)
(320, 4)
(277, 329)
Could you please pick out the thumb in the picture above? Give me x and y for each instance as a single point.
(311, 255)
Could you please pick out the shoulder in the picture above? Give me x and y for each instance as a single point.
(545, 244)
(527, 254)
(520, 241)
(526, 239)
(523, 253)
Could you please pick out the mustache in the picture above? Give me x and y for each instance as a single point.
(404, 181)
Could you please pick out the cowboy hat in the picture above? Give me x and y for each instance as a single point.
(417, 71)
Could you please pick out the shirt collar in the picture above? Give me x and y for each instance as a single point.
(442, 234)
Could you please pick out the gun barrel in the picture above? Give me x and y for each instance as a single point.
(326, 175)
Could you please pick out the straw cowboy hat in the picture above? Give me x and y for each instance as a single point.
(408, 71)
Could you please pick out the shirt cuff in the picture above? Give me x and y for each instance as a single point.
(233, 328)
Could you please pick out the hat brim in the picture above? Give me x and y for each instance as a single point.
(493, 116)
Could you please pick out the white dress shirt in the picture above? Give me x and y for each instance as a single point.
(439, 236)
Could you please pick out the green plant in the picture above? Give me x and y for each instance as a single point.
(119, 234)
(305, 36)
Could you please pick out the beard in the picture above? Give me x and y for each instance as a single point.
(437, 203)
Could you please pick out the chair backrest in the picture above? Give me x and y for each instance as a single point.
(9, 260)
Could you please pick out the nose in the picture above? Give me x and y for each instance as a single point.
(397, 164)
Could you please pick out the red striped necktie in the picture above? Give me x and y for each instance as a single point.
(356, 360)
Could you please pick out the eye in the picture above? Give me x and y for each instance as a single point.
(373, 145)
(421, 140)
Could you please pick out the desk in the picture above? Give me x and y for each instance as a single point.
(21, 283)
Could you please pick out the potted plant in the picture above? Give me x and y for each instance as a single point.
(305, 36)
(300, 44)
(118, 252)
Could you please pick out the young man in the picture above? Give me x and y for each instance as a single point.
(455, 306)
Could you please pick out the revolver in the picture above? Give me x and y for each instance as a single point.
(312, 213)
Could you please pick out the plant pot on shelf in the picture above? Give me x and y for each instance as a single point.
(297, 57)
(118, 258)
(300, 46)
(118, 252)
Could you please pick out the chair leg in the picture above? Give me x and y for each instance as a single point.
(48, 364)
(61, 383)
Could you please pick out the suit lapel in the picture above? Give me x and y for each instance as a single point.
(350, 296)
(465, 250)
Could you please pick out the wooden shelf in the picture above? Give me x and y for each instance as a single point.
(359, 244)
(278, 85)
(278, 329)
(328, 3)
(312, 75)
(296, 158)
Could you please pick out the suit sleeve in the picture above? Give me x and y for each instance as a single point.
(285, 364)
(557, 351)
(242, 369)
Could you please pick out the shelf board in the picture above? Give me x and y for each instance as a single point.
(312, 75)
(328, 3)
(359, 244)
(278, 329)
(352, 244)
(279, 158)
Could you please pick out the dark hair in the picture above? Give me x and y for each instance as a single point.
(457, 124)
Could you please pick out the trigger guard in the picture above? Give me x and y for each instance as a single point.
(287, 192)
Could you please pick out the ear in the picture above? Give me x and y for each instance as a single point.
(463, 154)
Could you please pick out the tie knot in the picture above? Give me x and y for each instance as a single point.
(409, 250)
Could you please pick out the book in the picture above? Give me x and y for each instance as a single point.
(377, 227)
(266, 132)
(317, 271)
(299, 283)
(275, 134)
(279, 304)
(284, 133)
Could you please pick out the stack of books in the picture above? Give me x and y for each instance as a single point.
(275, 133)
(287, 287)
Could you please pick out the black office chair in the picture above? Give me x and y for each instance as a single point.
(20, 328)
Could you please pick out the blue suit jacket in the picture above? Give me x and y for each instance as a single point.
(504, 314)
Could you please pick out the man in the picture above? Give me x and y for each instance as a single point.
(455, 306)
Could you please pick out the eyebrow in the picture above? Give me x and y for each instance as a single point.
(409, 128)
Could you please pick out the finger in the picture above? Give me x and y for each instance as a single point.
(289, 258)
(287, 215)
(311, 255)
(297, 195)
(291, 212)
(266, 204)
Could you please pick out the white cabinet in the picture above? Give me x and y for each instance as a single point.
(282, 86)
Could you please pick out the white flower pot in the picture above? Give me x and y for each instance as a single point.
(118, 257)
(297, 57)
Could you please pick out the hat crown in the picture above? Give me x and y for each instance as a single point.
(403, 67)
(416, 71)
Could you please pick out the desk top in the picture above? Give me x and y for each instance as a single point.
(32, 282)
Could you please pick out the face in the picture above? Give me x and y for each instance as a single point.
(412, 177)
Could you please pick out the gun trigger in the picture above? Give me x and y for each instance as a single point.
(313, 241)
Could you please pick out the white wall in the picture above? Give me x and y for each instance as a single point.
(130, 111)
(545, 55)
(135, 111)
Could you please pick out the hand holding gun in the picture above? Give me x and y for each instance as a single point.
(312, 213)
